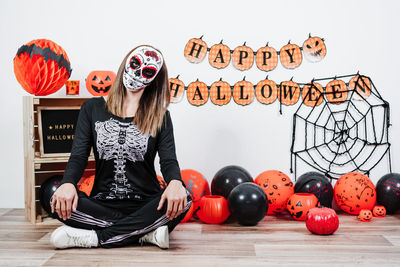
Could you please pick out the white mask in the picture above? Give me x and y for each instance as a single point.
(141, 67)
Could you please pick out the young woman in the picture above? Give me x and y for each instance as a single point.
(126, 130)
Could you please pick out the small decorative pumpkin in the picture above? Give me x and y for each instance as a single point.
(290, 56)
(336, 91)
(99, 82)
(314, 49)
(195, 50)
(72, 87)
(299, 204)
(176, 87)
(266, 58)
(289, 93)
(197, 93)
(219, 56)
(361, 85)
(278, 187)
(266, 91)
(379, 211)
(322, 221)
(312, 94)
(243, 92)
(365, 215)
(353, 192)
(213, 209)
(243, 57)
(220, 93)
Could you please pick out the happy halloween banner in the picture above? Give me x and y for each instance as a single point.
(267, 91)
(290, 55)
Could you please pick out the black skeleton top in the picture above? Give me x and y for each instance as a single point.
(124, 155)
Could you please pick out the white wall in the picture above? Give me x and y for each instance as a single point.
(360, 35)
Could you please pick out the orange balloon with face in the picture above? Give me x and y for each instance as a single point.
(278, 187)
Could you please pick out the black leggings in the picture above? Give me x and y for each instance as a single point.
(121, 223)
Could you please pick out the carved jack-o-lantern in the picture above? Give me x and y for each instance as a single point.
(266, 91)
(98, 83)
(353, 192)
(278, 187)
(290, 56)
(176, 87)
(243, 92)
(314, 49)
(197, 93)
(289, 93)
(266, 58)
(336, 91)
(220, 93)
(299, 204)
(365, 215)
(312, 94)
(243, 57)
(195, 50)
(379, 211)
(219, 56)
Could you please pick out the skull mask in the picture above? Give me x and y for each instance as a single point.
(141, 67)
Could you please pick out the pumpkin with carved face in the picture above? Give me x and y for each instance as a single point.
(314, 49)
(365, 216)
(379, 211)
(299, 204)
(98, 83)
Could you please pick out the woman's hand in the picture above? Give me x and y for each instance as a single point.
(175, 193)
(64, 199)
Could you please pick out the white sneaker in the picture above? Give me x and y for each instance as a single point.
(159, 237)
(68, 237)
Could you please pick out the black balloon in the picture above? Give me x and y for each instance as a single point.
(317, 184)
(248, 203)
(47, 190)
(388, 192)
(228, 178)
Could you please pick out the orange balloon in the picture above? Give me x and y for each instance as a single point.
(353, 192)
(278, 187)
(196, 184)
(87, 184)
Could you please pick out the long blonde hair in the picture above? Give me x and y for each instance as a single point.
(153, 102)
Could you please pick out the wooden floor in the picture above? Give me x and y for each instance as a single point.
(275, 241)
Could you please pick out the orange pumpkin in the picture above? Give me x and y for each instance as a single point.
(290, 56)
(219, 56)
(197, 93)
(289, 93)
(365, 215)
(213, 209)
(379, 211)
(300, 203)
(99, 82)
(243, 92)
(243, 57)
(220, 93)
(361, 85)
(312, 94)
(278, 187)
(314, 49)
(336, 91)
(72, 87)
(176, 87)
(266, 58)
(195, 50)
(266, 91)
(353, 192)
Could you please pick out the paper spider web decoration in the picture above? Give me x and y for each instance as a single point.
(337, 138)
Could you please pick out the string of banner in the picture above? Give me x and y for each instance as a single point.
(267, 91)
(290, 55)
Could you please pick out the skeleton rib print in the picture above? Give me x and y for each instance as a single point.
(120, 141)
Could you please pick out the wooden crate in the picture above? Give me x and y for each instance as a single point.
(37, 168)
